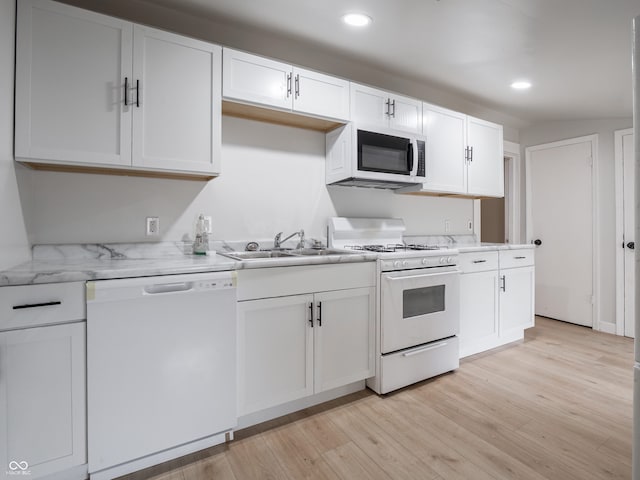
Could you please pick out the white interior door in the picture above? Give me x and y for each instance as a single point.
(625, 238)
(560, 219)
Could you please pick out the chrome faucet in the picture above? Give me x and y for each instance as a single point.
(278, 240)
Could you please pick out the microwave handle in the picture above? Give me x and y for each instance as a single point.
(410, 152)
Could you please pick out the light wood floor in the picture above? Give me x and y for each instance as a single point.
(556, 406)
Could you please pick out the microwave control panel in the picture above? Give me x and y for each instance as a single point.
(421, 158)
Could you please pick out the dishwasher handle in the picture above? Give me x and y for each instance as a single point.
(168, 288)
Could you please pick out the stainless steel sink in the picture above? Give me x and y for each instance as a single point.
(319, 251)
(301, 252)
(257, 255)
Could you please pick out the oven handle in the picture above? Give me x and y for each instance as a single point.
(425, 349)
(424, 275)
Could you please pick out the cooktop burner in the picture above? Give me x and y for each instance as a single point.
(392, 248)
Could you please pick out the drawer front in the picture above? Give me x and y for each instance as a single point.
(258, 283)
(478, 261)
(400, 369)
(34, 305)
(516, 258)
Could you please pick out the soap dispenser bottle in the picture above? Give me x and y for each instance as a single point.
(201, 242)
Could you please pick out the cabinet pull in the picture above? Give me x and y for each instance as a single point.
(138, 93)
(388, 104)
(470, 154)
(479, 261)
(466, 154)
(311, 314)
(319, 314)
(519, 258)
(36, 305)
(126, 91)
(393, 112)
(504, 283)
(297, 92)
(288, 85)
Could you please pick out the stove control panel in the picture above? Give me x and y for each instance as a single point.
(418, 262)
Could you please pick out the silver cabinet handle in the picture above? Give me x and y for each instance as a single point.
(504, 283)
(297, 92)
(168, 288)
(519, 258)
(288, 85)
(479, 261)
(393, 112)
(388, 104)
(425, 349)
(310, 314)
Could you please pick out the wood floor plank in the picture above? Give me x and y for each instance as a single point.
(555, 406)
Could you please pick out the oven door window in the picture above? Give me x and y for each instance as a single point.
(423, 301)
(384, 153)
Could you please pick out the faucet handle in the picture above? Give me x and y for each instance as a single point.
(276, 240)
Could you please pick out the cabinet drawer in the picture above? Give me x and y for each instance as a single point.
(516, 258)
(403, 368)
(478, 261)
(31, 305)
(284, 281)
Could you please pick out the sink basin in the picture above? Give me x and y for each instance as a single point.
(320, 251)
(256, 255)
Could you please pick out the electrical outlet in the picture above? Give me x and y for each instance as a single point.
(207, 225)
(447, 226)
(153, 226)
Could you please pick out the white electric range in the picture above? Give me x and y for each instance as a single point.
(417, 314)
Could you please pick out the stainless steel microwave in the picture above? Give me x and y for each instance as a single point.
(374, 158)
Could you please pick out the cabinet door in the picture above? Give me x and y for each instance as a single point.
(71, 66)
(254, 79)
(369, 106)
(318, 94)
(343, 337)
(478, 311)
(176, 98)
(405, 114)
(486, 168)
(275, 342)
(446, 167)
(517, 295)
(42, 398)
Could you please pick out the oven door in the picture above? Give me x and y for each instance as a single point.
(418, 306)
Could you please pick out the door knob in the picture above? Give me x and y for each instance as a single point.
(537, 241)
(631, 245)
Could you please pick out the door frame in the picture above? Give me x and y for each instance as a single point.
(512, 201)
(619, 184)
(595, 224)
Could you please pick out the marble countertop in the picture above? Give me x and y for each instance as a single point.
(83, 262)
(75, 263)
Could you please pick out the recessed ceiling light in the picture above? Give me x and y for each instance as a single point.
(521, 85)
(356, 19)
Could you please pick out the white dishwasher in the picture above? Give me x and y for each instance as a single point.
(161, 374)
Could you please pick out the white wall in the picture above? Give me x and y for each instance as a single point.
(14, 246)
(272, 180)
(554, 131)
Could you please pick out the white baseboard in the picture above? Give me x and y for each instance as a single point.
(607, 327)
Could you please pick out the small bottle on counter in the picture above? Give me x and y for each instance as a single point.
(201, 242)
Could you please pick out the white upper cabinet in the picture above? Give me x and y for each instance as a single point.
(486, 158)
(464, 155)
(371, 107)
(446, 166)
(261, 81)
(71, 67)
(95, 91)
(175, 101)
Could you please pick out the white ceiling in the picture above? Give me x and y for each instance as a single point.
(577, 53)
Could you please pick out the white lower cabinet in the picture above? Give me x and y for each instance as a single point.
(43, 381)
(496, 298)
(516, 299)
(294, 346)
(42, 399)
